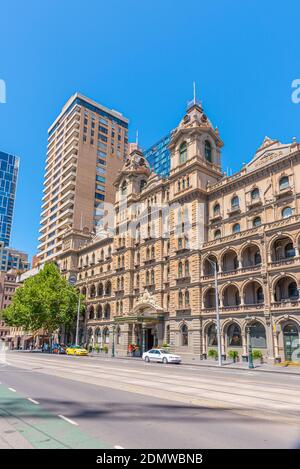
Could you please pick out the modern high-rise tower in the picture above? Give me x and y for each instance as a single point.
(9, 167)
(159, 156)
(87, 144)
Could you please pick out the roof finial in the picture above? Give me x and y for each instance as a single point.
(137, 138)
(194, 86)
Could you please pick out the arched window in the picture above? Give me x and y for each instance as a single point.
(180, 269)
(293, 291)
(91, 313)
(207, 150)
(259, 295)
(152, 277)
(105, 336)
(187, 298)
(184, 332)
(212, 337)
(108, 289)
(258, 335)
(178, 185)
(284, 183)
(98, 336)
(257, 258)
(124, 188)
(107, 311)
(256, 221)
(236, 228)
(99, 312)
(217, 234)
(182, 153)
(92, 291)
(235, 201)
(289, 250)
(147, 277)
(234, 335)
(187, 268)
(255, 194)
(180, 299)
(287, 212)
(217, 210)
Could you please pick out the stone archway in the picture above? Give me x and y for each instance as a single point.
(149, 322)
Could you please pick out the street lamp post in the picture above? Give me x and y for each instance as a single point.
(77, 322)
(214, 265)
(250, 357)
(72, 281)
(113, 342)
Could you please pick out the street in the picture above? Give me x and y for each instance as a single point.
(83, 402)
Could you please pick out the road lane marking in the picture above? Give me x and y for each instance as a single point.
(12, 389)
(68, 420)
(32, 400)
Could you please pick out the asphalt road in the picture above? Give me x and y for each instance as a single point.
(60, 401)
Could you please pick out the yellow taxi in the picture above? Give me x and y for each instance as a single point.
(76, 350)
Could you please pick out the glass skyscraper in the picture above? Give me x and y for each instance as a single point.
(158, 156)
(9, 167)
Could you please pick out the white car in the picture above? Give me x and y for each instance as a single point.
(162, 356)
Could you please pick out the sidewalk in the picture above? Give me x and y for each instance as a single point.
(260, 367)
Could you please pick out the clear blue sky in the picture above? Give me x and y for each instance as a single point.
(141, 57)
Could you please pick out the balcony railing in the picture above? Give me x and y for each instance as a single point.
(284, 192)
(285, 303)
(149, 261)
(215, 217)
(254, 203)
(233, 210)
(284, 261)
(183, 280)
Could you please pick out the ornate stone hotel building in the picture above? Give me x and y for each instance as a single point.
(153, 281)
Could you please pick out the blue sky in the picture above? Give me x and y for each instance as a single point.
(141, 58)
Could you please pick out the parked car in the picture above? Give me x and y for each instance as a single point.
(160, 355)
(76, 350)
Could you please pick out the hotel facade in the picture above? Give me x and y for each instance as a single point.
(152, 281)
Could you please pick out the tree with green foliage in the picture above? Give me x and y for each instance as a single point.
(46, 301)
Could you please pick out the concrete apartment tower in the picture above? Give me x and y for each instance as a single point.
(87, 144)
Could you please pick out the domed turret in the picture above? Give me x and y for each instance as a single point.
(134, 175)
(136, 162)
